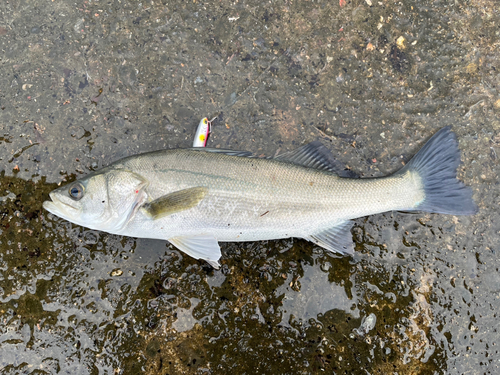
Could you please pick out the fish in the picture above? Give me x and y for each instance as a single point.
(197, 197)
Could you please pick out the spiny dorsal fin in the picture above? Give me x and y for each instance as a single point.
(315, 155)
(175, 202)
(223, 151)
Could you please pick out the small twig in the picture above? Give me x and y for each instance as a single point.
(472, 106)
(323, 133)
(229, 60)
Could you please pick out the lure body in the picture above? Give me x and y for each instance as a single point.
(202, 133)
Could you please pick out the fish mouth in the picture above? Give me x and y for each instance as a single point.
(59, 207)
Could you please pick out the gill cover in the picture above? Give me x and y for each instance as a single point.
(125, 193)
(103, 201)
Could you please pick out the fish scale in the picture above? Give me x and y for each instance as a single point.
(300, 196)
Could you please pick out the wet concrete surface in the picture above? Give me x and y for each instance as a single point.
(84, 83)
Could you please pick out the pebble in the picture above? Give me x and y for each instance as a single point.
(116, 272)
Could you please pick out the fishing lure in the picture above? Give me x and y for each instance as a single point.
(202, 133)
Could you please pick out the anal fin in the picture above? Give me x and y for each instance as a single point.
(203, 246)
(337, 239)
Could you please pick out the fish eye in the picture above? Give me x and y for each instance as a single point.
(76, 191)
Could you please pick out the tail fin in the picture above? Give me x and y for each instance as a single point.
(436, 164)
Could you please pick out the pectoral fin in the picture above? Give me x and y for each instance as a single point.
(337, 239)
(175, 202)
(204, 246)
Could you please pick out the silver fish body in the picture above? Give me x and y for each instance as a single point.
(197, 197)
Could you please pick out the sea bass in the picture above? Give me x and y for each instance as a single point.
(195, 198)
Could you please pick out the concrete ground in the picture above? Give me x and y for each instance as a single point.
(84, 83)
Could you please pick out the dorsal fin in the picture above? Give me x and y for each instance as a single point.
(223, 151)
(315, 155)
